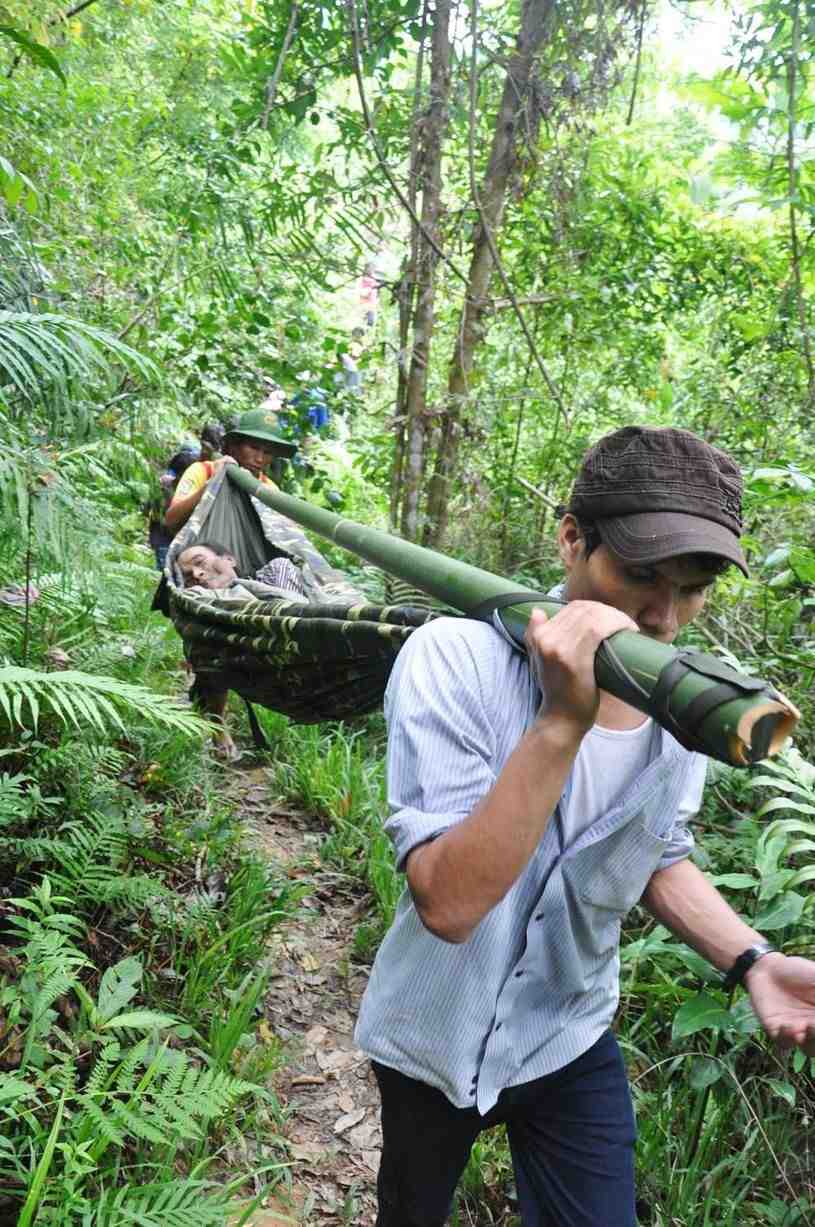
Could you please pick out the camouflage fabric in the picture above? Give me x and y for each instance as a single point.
(326, 657)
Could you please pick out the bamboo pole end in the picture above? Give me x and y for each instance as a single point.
(762, 730)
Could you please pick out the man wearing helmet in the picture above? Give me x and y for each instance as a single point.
(251, 443)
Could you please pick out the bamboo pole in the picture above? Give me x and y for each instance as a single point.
(744, 721)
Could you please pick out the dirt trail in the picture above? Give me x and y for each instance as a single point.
(331, 1097)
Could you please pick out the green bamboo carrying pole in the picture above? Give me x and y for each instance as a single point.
(706, 704)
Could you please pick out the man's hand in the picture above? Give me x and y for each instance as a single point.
(782, 991)
(561, 653)
(221, 463)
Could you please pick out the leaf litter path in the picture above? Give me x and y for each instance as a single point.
(332, 1126)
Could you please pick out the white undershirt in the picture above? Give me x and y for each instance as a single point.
(609, 761)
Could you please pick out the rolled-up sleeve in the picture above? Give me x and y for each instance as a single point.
(681, 840)
(441, 739)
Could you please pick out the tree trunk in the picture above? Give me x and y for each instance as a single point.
(430, 149)
(792, 189)
(516, 121)
(406, 296)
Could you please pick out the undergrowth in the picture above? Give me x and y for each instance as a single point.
(135, 1063)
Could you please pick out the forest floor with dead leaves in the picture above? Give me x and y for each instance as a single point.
(326, 1087)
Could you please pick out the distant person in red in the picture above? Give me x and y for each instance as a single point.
(369, 285)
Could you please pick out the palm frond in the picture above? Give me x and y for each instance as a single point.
(36, 349)
(78, 699)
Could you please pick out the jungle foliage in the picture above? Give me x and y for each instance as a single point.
(574, 231)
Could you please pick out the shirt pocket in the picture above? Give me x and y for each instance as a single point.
(611, 874)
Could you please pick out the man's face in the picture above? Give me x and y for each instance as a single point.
(201, 565)
(661, 597)
(252, 454)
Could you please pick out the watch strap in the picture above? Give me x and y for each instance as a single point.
(745, 961)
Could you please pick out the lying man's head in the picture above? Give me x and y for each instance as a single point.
(207, 564)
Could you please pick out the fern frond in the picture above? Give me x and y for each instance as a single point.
(133, 1119)
(103, 1067)
(57, 985)
(172, 1203)
(40, 348)
(90, 856)
(88, 698)
(102, 1122)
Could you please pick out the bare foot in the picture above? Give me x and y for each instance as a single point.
(225, 747)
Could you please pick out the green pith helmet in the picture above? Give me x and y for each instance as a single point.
(256, 424)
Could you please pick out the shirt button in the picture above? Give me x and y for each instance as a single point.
(518, 974)
(539, 916)
(498, 1026)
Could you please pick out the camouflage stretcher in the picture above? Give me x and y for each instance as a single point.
(325, 658)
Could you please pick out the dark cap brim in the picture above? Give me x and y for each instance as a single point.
(655, 536)
(283, 446)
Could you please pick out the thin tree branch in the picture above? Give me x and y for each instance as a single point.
(488, 235)
(405, 203)
(274, 80)
(551, 503)
(637, 65)
(53, 21)
(529, 300)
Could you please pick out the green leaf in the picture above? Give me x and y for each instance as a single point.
(785, 803)
(802, 562)
(12, 1088)
(783, 911)
(35, 51)
(701, 1013)
(743, 1017)
(704, 1071)
(35, 1189)
(141, 1020)
(784, 1089)
(119, 985)
(735, 881)
(780, 554)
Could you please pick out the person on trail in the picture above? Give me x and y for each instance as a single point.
(369, 285)
(530, 811)
(212, 440)
(349, 359)
(159, 536)
(249, 443)
(210, 566)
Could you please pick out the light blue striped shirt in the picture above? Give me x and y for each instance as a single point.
(536, 984)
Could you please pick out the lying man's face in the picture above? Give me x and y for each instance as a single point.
(201, 565)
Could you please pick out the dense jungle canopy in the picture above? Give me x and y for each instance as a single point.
(463, 239)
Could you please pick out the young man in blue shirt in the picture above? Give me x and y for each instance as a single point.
(530, 811)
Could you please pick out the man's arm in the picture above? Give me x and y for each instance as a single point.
(183, 505)
(682, 899)
(782, 989)
(459, 877)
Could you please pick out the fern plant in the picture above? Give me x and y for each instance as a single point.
(77, 699)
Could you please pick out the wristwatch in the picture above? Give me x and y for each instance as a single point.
(744, 962)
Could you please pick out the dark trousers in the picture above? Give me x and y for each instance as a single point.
(571, 1134)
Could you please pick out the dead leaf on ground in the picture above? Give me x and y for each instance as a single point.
(348, 1120)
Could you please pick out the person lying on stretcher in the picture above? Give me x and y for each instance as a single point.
(209, 566)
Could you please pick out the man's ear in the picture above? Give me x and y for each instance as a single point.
(571, 545)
